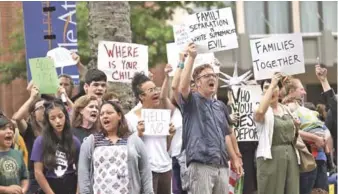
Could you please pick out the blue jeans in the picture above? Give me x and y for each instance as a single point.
(314, 179)
(176, 178)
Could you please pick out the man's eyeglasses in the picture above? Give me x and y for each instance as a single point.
(209, 75)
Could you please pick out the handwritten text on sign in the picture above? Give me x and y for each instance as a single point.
(212, 30)
(44, 75)
(279, 53)
(156, 121)
(245, 98)
(120, 61)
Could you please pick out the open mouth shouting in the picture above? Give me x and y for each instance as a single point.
(155, 98)
(93, 115)
(8, 140)
(106, 123)
(99, 94)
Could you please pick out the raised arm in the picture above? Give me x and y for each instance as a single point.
(265, 101)
(21, 114)
(164, 96)
(329, 95)
(187, 71)
(177, 77)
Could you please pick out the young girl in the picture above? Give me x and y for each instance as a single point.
(55, 153)
(84, 117)
(113, 161)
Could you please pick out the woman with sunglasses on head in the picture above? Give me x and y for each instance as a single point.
(55, 152)
(84, 117)
(114, 160)
(33, 109)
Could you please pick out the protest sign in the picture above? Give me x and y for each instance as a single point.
(62, 57)
(181, 36)
(203, 58)
(44, 75)
(278, 53)
(48, 25)
(211, 31)
(156, 121)
(245, 98)
(120, 61)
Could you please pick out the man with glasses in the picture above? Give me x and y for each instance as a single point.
(206, 134)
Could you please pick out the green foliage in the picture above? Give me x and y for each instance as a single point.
(16, 67)
(148, 24)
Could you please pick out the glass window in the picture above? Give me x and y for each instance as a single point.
(329, 12)
(309, 16)
(278, 17)
(254, 17)
(262, 17)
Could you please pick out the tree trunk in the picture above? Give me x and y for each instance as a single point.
(110, 21)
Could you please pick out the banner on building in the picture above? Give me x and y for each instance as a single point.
(120, 60)
(48, 25)
(278, 53)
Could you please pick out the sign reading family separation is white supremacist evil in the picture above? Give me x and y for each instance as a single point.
(278, 53)
(120, 61)
(156, 121)
(245, 98)
(211, 31)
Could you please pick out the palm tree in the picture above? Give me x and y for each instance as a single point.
(110, 21)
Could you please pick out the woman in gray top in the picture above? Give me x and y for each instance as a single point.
(114, 161)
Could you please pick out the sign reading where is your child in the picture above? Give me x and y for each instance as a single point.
(120, 61)
(278, 53)
(211, 31)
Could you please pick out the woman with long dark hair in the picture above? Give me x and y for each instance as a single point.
(84, 116)
(114, 160)
(55, 152)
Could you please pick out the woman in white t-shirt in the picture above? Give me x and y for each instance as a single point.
(157, 146)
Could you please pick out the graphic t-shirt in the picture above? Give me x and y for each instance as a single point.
(63, 166)
(81, 133)
(12, 168)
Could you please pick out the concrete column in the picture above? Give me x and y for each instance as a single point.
(240, 17)
(296, 16)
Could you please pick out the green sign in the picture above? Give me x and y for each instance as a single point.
(44, 75)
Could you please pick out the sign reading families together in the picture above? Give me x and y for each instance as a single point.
(120, 61)
(278, 53)
(156, 121)
(245, 98)
(211, 31)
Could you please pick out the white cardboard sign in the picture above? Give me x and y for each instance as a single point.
(62, 57)
(245, 98)
(278, 53)
(211, 31)
(120, 61)
(156, 121)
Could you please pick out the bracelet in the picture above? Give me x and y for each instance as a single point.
(180, 65)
